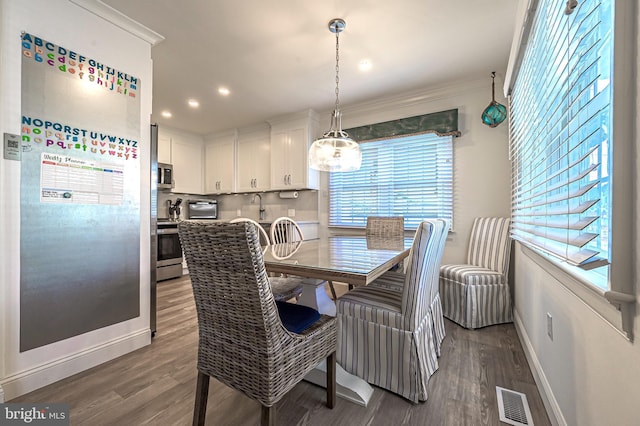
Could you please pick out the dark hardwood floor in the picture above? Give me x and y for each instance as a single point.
(156, 384)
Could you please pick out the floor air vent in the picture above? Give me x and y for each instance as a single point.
(513, 407)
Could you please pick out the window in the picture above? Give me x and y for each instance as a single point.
(561, 139)
(410, 176)
(573, 124)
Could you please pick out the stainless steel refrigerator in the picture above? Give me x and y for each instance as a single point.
(154, 227)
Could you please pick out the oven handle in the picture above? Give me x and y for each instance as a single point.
(167, 231)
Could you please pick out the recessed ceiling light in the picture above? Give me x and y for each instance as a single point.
(223, 91)
(166, 114)
(193, 103)
(365, 65)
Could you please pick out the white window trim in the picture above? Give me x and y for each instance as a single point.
(622, 291)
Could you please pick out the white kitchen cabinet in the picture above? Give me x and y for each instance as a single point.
(253, 168)
(219, 164)
(186, 157)
(291, 137)
(164, 149)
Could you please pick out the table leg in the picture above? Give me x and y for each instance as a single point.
(315, 296)
(348, 386)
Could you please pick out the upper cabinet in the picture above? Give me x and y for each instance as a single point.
(164, 149)
(253, 168)
(186, 157)
(220, 156)
(291, 137)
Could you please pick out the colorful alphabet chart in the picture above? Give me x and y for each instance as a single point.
(69, 62)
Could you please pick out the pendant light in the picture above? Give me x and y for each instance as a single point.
(495, 113)
(335, 151)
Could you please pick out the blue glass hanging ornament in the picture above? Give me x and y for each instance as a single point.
(495, 113)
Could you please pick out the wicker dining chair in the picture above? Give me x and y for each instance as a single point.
(245, 340)
(283, 288)
(286, 230)
(385, 226)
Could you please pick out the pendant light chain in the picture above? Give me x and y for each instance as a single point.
(337, 70)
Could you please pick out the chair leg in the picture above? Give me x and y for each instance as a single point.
(331, 380)
(202, 392)
(333, 290)
(268, 417)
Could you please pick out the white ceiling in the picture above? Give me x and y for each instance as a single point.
(278, 56)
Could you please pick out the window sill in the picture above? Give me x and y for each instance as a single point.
(617, 309)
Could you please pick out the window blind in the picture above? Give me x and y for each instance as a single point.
(410, 176)
(560, 125)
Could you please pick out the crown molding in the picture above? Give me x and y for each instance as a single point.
(222, 134)
(254, 128)
(119, 19)
(413, 97)
(304, 114)
(359, 114)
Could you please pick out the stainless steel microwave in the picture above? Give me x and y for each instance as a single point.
(165, 176)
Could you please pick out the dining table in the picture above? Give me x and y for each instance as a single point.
(354, 260)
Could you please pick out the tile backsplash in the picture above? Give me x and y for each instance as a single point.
(303, 208)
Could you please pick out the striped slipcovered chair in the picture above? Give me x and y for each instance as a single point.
(386, 336)
(395, 281)
(477, 293)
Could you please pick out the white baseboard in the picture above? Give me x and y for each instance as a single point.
(548, 399)
(43, 375)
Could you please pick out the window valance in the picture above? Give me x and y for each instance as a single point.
(443, 123)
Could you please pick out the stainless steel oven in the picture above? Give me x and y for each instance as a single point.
(169, 264)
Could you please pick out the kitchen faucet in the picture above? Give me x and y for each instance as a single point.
(253, 200)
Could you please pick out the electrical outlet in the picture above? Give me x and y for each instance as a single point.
(291, 212)
(550, 326)
(239, 212)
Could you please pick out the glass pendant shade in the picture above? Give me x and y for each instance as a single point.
(335, 154)
(335, 151)
(495, 113)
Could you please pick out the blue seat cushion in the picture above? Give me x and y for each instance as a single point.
(296, 318)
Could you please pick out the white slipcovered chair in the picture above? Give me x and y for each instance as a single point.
(386, 335)
(477, 294)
